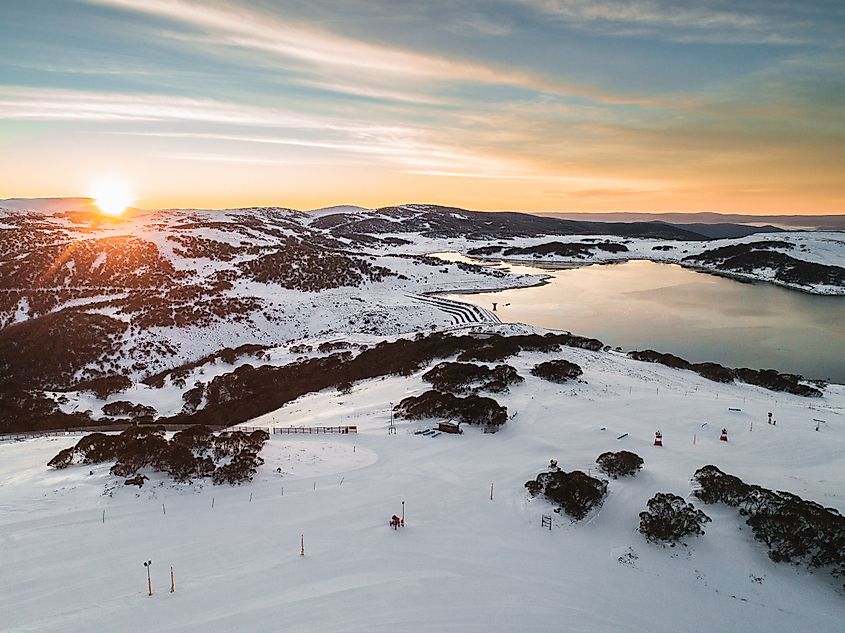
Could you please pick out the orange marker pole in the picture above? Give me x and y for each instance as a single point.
(172, 583)
(302, 545)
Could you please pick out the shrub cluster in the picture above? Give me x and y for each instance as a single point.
(750, 257)
(485, 412)
(766, 378)
(557, 370)
(250, 391)
(470, 378)
(195, 452)
(669, 518)
(623, 463)
(558, 249)
(576, 492)
(794, 529)
(496, 347)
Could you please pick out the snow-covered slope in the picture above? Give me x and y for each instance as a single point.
(99, 304)
(167, 287)
(463, 562)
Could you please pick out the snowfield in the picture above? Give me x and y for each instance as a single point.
(463, 562)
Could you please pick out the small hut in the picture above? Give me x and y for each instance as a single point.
(449, 426)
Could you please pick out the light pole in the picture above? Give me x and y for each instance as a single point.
(148, 564)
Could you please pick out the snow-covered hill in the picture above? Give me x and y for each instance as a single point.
(96, 304)
(72, 542)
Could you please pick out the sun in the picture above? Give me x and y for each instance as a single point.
(112, 195)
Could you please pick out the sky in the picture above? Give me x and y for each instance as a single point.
(538, 105)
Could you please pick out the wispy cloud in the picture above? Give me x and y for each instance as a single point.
(339, 62)
(52, 104)
(700, 21)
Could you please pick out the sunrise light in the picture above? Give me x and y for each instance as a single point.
(112, 195)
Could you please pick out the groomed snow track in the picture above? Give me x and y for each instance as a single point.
(461, 313)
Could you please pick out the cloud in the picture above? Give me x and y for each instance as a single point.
(55, 104)
(338, 62)
(705, 21)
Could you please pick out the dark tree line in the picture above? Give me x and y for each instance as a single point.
(766, 378)
(193, 453)
(793, 529)
(484, 412)
(471, 378)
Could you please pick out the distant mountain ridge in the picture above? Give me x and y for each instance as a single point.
(708, 225)
(831, 222)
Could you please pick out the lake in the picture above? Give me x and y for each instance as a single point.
(701, 317)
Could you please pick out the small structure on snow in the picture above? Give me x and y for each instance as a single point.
(450, 426)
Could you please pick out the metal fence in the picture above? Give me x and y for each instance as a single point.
(283, 430)
(270, 430)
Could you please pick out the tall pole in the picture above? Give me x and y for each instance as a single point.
(148, 564)
(302, 545)
(172, 583)
(403, 513)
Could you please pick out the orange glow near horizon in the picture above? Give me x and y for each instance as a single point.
(112, 195)
(541, 106)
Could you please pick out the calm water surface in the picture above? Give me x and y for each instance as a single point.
(642, 304)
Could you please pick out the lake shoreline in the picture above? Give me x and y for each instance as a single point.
(765, 345)
(736, 276)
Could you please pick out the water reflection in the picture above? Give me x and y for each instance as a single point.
(702, 317)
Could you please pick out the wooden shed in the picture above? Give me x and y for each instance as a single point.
(449, 426)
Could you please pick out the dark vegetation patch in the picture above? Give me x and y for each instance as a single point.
(126, 409)
(299, 265)
(227, 355)
(669, 519)
(31, 410)
(396, 241)
(478, 410)
(250, 391)
(109, 262)
(193, 247)
(333, 346)
(748, 258)
(497, 348)
(193, 398)
(559, 249)
(620, 464)
(767, 378)
(46, 352)
(105, 386)
(193, 453)
(576, 493)
(183, 306)
(469, 378)
(793, 529)
(558, 370)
